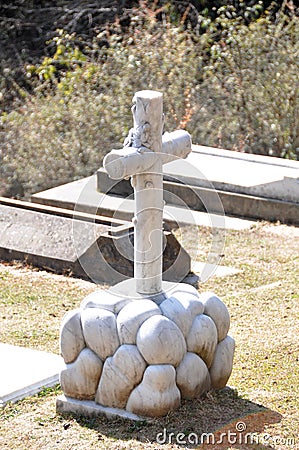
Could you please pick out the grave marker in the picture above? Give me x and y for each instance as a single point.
(141, 350)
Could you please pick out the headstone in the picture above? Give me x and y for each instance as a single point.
(145, 344)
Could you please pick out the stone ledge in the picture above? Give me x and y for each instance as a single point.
(88, 408)
(25, 372)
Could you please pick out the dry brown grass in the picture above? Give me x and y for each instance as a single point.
(263, 394)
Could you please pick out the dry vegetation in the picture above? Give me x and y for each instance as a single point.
(263, 303)
(229, 75)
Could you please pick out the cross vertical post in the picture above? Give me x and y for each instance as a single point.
(148, 190)
(142, 158)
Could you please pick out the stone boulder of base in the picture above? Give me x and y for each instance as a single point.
(143, 357)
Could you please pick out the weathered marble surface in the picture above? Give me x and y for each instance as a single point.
(143, 357)
(144, 353)
(121, 373)
(80, 378)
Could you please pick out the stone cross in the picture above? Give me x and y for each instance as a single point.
(130, 355)
(144, 153)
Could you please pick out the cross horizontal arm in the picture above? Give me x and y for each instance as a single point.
(131, 161)
(128, 161)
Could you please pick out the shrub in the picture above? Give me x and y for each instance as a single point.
(82, 110)
(238, 91)
(250, 92)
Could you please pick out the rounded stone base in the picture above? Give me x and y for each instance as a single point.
(144, 354)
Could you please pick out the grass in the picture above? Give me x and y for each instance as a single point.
(263, 395)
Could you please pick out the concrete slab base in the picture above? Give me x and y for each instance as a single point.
(25, 372)
(202, 269)
(225, 170)
(217, 180)
(82, 196)
(88, 408)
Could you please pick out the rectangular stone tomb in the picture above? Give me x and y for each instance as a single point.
(96, 248)
(254, 186)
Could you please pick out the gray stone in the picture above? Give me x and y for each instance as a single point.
(192, 376)
(63, 241)
(223, 363)
(69, 196)
(89, 246)
(71, 340)
(203, 338)
(80, 379)
(121, 373)
(100, 331)
(90, 409)
(160, 341)
(132, 316)
(157, 394)
(217, 310)
(240, 181)
(227, 171)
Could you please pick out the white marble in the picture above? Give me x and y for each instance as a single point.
(105, 300)
(142, 159)
(157, 394)
(183, 288)
(221, 368)
(71, 340)
(100, 331)
(175, 311)
(80, 379)
(121, 373)
(147, 344)
(129, 355)
(217, 310)
(203, 338)
(132, 316)
(190, 302)
(192, 376)
(160, 341)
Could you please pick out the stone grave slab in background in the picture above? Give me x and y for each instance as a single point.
(253, 186)
(25, 372)
(81, 245)
(82, 195)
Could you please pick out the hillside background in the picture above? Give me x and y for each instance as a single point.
(69, 69)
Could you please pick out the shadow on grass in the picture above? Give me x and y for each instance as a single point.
(217, 421)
